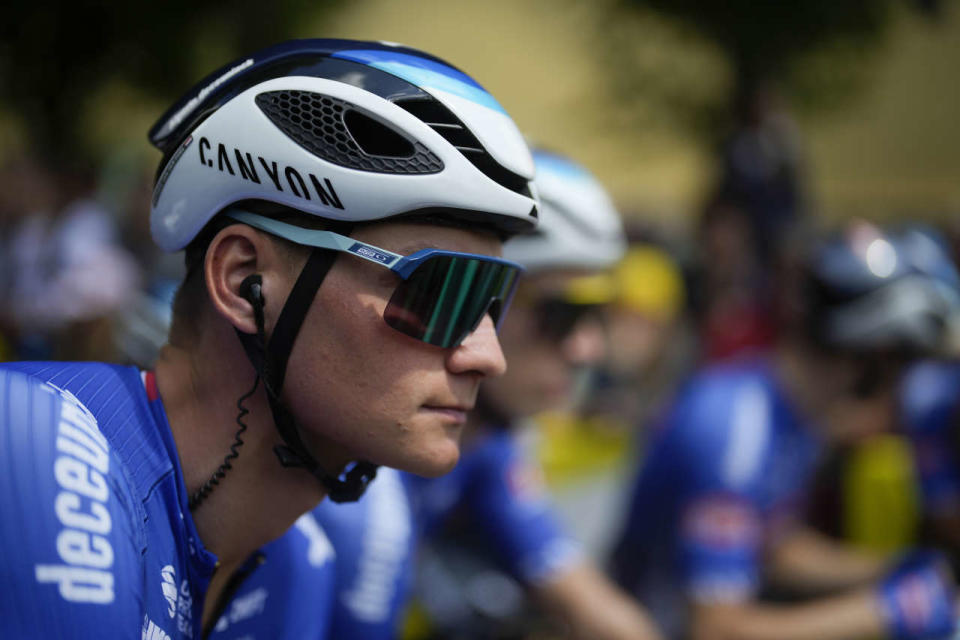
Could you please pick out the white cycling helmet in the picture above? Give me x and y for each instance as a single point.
(344, 130)
(579, 226)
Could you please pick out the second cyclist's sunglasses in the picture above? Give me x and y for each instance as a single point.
(442, 295)
(557, 318)
(560, 312)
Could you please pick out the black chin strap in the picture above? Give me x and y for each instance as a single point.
(271, 366)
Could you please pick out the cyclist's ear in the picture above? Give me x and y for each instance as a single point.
(240, 263)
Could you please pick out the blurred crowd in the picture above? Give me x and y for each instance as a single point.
(82, 280)
(78, 262)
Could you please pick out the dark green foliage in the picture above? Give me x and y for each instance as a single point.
(816, 52)
(762, 37)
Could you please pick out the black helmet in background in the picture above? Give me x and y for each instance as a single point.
(868, 291)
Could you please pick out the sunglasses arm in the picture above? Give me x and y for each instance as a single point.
(316, 238)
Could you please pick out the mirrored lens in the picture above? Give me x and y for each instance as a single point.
(447, 296)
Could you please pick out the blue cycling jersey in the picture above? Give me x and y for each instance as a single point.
(726, 469)
(375, 544)
(500, 491)
(285, 591)
(930, 408)
(96, 536)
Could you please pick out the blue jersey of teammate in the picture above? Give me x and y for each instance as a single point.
(930, 408)
(375, 543)
(501, 491)
(375, 539)
(96, 536)
(727, 468)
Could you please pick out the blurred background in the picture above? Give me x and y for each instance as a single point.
(720, 129)
(640, 91)
(686, 110)
(716, 129)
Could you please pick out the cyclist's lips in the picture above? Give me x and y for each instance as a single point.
(454, 413)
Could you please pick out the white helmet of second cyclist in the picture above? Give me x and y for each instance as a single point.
(579, 226)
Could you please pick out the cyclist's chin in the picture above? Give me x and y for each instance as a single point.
(434, 456)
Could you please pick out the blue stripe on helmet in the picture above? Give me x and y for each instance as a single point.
(546, 162)
(426, 74)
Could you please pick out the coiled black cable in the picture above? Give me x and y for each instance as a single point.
(201, 494)
(249, 289)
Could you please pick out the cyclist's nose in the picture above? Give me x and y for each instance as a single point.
(586, 343)
(480, 351)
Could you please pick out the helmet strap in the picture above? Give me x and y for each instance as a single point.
(270, 362)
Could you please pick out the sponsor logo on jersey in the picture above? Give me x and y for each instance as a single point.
(179, 601)
(185, 610)
(151, 631)
(721, 522)
(283, 178)
(242, 608)
(384, 548)
(169, 586)
(80, 470)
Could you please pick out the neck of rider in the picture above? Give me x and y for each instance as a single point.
(258, 499)
(200, 379)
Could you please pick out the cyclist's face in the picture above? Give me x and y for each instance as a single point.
(363, 390)
(637, 340)
(543, 359)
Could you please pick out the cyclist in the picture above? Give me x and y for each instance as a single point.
(552, 330)
(651, 344)
(135, 500)
(717, 504)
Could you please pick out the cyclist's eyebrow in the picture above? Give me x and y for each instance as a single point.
(412, 247)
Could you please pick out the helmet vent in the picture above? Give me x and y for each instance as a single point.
(341, 133)
(375, 138)
(444, 122)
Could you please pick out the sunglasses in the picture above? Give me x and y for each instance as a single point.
(557, 318)
(558, 313)
(442, 296)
